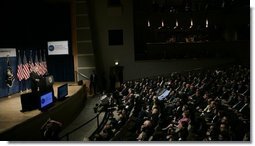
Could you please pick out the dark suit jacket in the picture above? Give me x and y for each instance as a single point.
(35, 80)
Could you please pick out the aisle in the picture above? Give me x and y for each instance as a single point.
(86, 114)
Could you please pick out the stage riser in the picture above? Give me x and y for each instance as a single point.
(65, 112)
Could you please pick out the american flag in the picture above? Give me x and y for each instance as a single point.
(43, 69)
(26, 71)
(20, 69)
(31, 63)
(45, 63)
(38, 66)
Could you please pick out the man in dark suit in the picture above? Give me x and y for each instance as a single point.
(93, 82)
(35, 79)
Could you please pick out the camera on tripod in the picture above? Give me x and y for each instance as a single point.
(96, 108)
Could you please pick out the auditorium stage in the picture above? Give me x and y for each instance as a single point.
(11, 117)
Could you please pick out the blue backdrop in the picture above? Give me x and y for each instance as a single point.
(60, 66)
(4, 89)
(17, 85)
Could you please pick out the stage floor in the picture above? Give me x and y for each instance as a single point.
(10, 107)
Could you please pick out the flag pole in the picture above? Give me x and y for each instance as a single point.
(17, 72)
(8, 91)
(20, 90)
(29, 72)
(22, 81)
(30, 66)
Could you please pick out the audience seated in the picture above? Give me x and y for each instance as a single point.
(205, 105)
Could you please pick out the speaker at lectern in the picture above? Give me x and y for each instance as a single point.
(39, 86)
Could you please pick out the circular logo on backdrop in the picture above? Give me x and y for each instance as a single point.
(42, 101)
(51, 48)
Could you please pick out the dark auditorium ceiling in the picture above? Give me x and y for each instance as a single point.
(24, 22)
